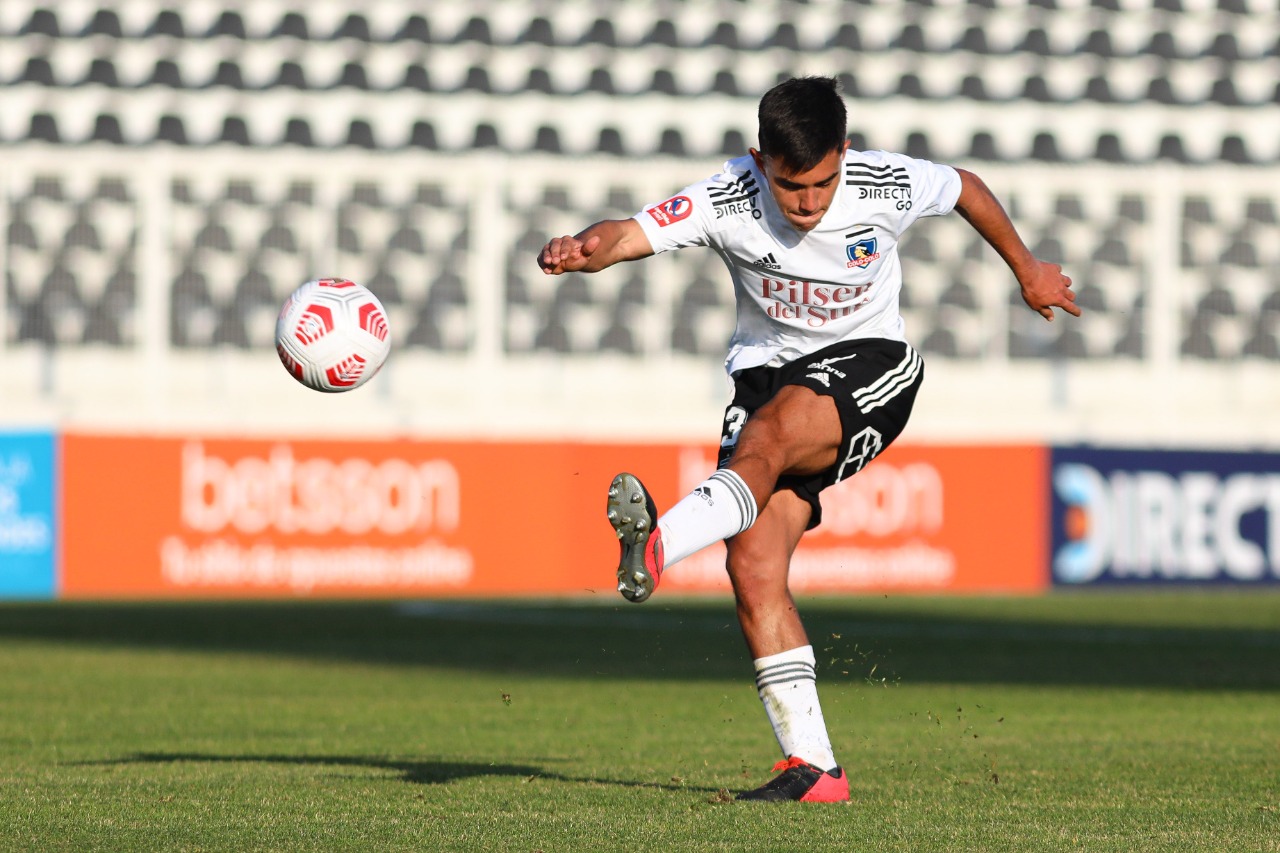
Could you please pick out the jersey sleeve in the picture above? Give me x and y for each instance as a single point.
(935, 189)
(679, 222)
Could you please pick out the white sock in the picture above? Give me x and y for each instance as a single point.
(721, 507)
(788, 687)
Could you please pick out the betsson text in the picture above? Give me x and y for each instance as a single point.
(317, 495)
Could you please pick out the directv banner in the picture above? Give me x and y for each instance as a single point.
(1130, 517)
(27, 532)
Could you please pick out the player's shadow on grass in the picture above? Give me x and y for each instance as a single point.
(418, 772)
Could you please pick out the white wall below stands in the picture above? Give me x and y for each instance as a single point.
(421, 395)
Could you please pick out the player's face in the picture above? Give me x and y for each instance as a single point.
(803, 197)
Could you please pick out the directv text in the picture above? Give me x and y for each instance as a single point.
(1153, 524)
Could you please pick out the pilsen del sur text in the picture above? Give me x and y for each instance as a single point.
(815, 304)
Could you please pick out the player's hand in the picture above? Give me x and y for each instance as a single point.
(1045, 287)
(567, 254)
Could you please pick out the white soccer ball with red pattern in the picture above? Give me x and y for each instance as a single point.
(332, 334)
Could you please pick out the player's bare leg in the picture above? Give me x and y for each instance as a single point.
(797, 432)
(759, 563)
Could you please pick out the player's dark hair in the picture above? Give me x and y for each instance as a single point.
(802, 120)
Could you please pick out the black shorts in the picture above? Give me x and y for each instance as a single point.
(873, 382)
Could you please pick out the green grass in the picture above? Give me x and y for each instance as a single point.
(1125, 721)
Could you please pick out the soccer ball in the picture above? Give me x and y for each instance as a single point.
(332, 334)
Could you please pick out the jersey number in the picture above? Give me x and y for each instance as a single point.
(733, 421)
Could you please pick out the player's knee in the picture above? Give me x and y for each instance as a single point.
(755, 577)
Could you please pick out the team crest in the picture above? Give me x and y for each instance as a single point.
(672, 210)
(862, 252)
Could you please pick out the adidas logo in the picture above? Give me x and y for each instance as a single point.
(767, 262)
(821, 377)
(704, 493)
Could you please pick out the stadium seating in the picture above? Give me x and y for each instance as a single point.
(1043, 83)
(111, 71)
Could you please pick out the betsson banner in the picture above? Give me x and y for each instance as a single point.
(190, 517)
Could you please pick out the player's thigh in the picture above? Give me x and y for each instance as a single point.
(799, 427)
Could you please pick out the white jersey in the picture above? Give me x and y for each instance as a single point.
(798, 292)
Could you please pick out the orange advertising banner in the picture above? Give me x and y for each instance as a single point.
(147, 517)
(918, 519)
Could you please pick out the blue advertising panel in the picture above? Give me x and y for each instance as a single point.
(1152, 516)
(27, 515)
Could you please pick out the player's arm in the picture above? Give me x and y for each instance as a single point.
(1044, 286)
(599, 246)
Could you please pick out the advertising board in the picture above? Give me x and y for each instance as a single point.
(1155, 516)
(28, 514)
(214, 517)
(190, 517)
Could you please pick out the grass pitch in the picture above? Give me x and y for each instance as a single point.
(1123, 721)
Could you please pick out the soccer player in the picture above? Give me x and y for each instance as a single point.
(823, 377)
